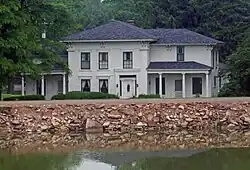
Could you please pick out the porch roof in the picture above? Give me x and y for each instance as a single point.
(175, 65)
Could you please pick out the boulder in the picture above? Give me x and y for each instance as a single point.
(93, 126)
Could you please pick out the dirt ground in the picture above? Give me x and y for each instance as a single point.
(136, 101)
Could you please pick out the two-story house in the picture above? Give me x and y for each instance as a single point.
(123, 59)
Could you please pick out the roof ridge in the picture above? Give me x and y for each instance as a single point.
(135, 28)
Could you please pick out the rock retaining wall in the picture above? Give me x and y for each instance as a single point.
(63, 119)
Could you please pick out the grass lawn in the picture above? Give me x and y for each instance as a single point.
(9, 95)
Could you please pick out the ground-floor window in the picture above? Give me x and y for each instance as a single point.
(85, 85)
(60, 86)
(178, 85)
(103, 85)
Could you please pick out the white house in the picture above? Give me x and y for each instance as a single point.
(122, 59)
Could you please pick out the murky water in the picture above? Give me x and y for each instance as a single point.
(214, 159)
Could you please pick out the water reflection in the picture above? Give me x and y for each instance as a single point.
(215, 159)
(93, 165)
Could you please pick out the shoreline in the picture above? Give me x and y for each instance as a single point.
(29, 125)
(154, 141)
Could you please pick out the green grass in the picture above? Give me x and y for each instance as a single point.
(9, 95)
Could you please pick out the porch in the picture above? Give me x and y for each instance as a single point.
(48, 85)
(186, 84)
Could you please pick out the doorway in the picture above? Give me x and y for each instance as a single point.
(197, 85)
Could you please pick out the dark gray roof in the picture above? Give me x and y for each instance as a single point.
(114, 30)
(177, 65)
(117, 30)
(180, 36)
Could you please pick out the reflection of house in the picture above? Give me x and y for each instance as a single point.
(116, 159)
(120, 58)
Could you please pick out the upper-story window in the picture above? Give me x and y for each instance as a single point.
(103, 60)
(180, 53)
(85, 60)
(215, 58)
(127, 60)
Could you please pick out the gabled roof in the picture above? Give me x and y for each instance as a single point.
(180, 36)
(178, 65)
(114, 30)
(121, 31)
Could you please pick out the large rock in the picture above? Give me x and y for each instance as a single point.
(114, 116)
(93, 126)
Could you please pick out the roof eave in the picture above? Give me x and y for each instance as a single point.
(117, 40)
(174, 44)
(208, 69)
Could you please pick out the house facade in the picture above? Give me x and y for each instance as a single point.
(120, 58)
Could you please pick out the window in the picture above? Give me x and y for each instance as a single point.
(127, 60)
(213, 58)
(180, 53)
(85, 85)
(103, 60)
(103, 86)
(215, 81)
(60, 86)
(178, 85)
(85, 60)
(128, 88)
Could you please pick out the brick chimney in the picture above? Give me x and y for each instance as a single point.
(132, 22)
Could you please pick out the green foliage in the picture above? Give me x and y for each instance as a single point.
(38, 161)
(21, 26)
(23, 98)
(238, 71)
(84, 95)
(149, 96)
(9, 95)
(216, 159)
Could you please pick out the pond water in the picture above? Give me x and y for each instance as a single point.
(212, 159)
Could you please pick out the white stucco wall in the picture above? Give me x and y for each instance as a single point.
(115, 53)
(200, 54)
(142, 56)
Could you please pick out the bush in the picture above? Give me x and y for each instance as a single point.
(22, 98)
(149, 96)
(84, 95)
(231, 90)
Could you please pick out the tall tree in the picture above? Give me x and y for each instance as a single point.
(21, 25)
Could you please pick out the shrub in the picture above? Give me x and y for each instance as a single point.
(149, 96)
(230, 90)
(22, 98)
(84, 95)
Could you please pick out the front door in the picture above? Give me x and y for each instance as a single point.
(157, 91)
(197, 85)
(127, 88)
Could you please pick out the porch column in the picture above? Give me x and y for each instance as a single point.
(23, 85)
(42, 86)
(183, 85)
(160, 84)
(64, 83)
(207, 85)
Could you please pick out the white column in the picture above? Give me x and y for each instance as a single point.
(183, 85)
(207, 85)
(160, 84)
(64, 83)
(42, 85)
(22, 85)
